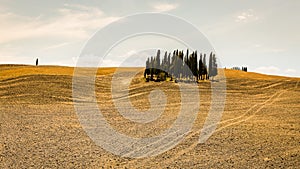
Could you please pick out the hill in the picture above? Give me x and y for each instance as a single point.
(39, 126)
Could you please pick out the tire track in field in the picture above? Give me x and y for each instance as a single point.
(252, 111)
(273, 85)
(266, 84)
(268, 102)
(244, 114)
(265, 103)
(271, 100)
(192, 146)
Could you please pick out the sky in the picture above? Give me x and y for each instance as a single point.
(260, 34)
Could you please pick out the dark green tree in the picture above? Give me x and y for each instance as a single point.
(200, 71)
(205, 68)
(157, 63)
(210, 64)
(213, 67)
(151, 68)
(147, 70)
(195, 66)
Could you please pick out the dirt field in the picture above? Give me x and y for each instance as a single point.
(260, 126)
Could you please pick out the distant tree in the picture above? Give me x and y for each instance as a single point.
(210, 64)
(190, 65)
(165, 61)
(164, 65)
(245, 69)
(195, 66)
(177, 65)
(201, 68)
(151, 68)
(185, 64)
(205, 73)
(213, 67)
(169, 61)
(180, 64)
(236, 68)
(147, 70)
(173, 65)
(168, 65)
(157, 63)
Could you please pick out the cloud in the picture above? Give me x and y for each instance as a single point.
(116, 60)
(70, 21)
(273, 70)
(130, 58)
(164, 7)
(246, 16)
(268, 70)
(290, 71)
(57, 45)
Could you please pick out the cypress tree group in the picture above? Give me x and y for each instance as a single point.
(245, 69)
(180, 66)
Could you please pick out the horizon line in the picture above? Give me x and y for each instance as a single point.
(225, 68)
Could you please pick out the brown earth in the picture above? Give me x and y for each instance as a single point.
(260, 126)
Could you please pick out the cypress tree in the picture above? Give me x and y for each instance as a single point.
(152, 68)
(205, 68)
(186, 60)
(200, 72)
(147, 70)
(157, 63)
(210, 66)
(195, 65)
(213, 67)
(169, 65)
(165, 64)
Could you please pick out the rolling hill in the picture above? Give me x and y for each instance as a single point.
(260, 126)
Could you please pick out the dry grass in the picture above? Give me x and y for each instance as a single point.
(260, 126)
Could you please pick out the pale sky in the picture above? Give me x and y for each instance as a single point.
(261, 34)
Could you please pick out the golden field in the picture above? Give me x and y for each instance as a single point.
(260, 126)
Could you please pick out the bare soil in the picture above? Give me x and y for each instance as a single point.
(260, 126)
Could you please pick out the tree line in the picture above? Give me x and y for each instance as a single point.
(245, 69)
(180, 66)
